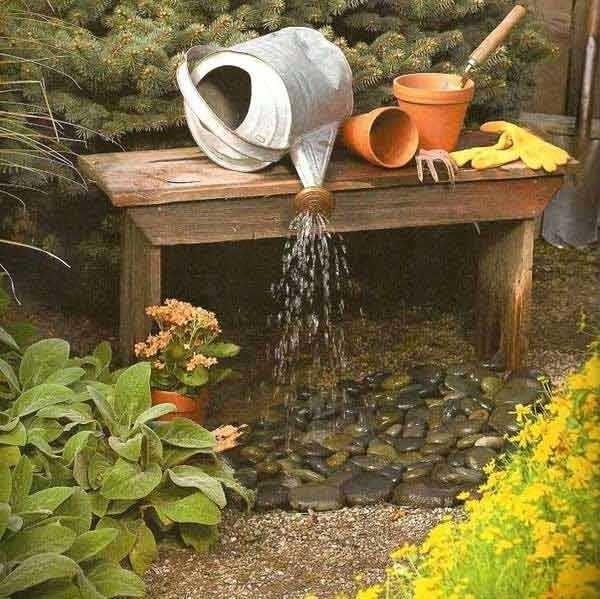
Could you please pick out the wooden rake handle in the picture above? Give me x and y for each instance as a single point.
(496, 37)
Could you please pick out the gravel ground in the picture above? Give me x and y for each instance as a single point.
(282, 555)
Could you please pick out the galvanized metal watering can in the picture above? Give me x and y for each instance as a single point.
(286, 92)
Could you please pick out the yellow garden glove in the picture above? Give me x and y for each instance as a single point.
(514, 143)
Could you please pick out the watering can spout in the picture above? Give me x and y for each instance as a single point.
(316, 200)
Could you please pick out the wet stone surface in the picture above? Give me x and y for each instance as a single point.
(415, 438)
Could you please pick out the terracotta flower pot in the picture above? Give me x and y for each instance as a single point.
(385, 136)
(195, 408)
(437, 105)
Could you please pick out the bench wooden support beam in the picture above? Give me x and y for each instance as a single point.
(503, 292)
(140, 285)
(178, 196)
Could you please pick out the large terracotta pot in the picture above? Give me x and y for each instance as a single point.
(437, 105)
(195, 408)
(385, 136)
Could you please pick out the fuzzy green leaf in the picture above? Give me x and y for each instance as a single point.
(113, 581)
(41, 359)
(35, 570)
(144, 551)
(5, 483)
(122, 544)
(75, 444)
(182, 432)
(17, 436)
(8, 340)
(154, 412)
(177, 505)
(47, 499)
(39, 397)
(76, 511)
(48, 538)
(22, 478)
(99, 503)
(66, 376)
(57, 589)
(192, 476)
(132, 393)
(91, 543)
(128, 481)
(130, 449)
(199, 536)
(7, 371)
(9, 455)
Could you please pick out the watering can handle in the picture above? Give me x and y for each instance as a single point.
(497, 36)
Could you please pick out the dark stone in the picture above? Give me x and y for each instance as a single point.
(384, 421)
(290, 482)
(414, 430)
(468, 405)
(409, 457)
(317, 464)
(414, 390)
(305, 393)
(519, 391)
(337, 460)
(462, 385)
(470, 476)
(437, 448)
(426, 493)
(247, 477)
(394, 431)
(367, 488)
(337, 479)
(491, 385)
(496, 363)
(456, 458)
(441, 437)
(270, 496)
(458, 369)
(316, 497)
(478, 457)
(267, 469)
(409, 444)
(418, 470)
(252, 454)
(337, 441)
(416, 415)
(370, 462)
(470, 427)
(393, 472)
(378, 447)
(314, 449)
(427, 374)
(529, 373)
(373, 380)
(467, 441)
(307, 476)
(502, 421)
(351, 387)
(429, 391)
(395, 381)
(491, 441)
(409, 402)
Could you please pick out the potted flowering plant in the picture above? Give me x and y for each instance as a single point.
(184, 354)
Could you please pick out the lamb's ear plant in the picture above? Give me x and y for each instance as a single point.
(47, 549)
(78, 427)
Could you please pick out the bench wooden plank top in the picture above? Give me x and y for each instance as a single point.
(153, 177)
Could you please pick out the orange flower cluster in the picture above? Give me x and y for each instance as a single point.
(200, 360)
(178, 313)
(153, 344)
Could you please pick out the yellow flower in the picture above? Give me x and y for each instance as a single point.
(406, 551)
(370, 592)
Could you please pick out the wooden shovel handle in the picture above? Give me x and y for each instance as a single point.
(496, 37)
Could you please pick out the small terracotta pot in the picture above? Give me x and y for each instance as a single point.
(437, 105)
(195, 408)
(385, 136)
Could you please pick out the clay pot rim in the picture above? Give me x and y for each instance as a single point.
(420, 95)
(184, 403)
(378, 113)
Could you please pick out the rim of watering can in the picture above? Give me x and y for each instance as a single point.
(208, 119)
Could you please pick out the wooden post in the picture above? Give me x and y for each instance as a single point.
(504, 290)
(140, 285)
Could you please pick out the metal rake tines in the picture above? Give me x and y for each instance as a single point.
(430, 157)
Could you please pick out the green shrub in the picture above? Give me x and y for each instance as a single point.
(47, 549)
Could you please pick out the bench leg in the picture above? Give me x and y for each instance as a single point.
(504, 290)
(140, 286)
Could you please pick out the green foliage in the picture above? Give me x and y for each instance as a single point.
(46, 546)
(68, 421)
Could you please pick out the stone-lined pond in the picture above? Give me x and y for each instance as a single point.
(415, 438)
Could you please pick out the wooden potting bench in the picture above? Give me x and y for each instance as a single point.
(179, 196)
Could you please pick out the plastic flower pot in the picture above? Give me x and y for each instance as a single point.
(437, 105)
(194, 408)
(385, 136)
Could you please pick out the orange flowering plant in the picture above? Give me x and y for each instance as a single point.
(185, 350)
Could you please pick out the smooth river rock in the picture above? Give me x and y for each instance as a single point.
(316, 497)
(367, 488)
(428, 494)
